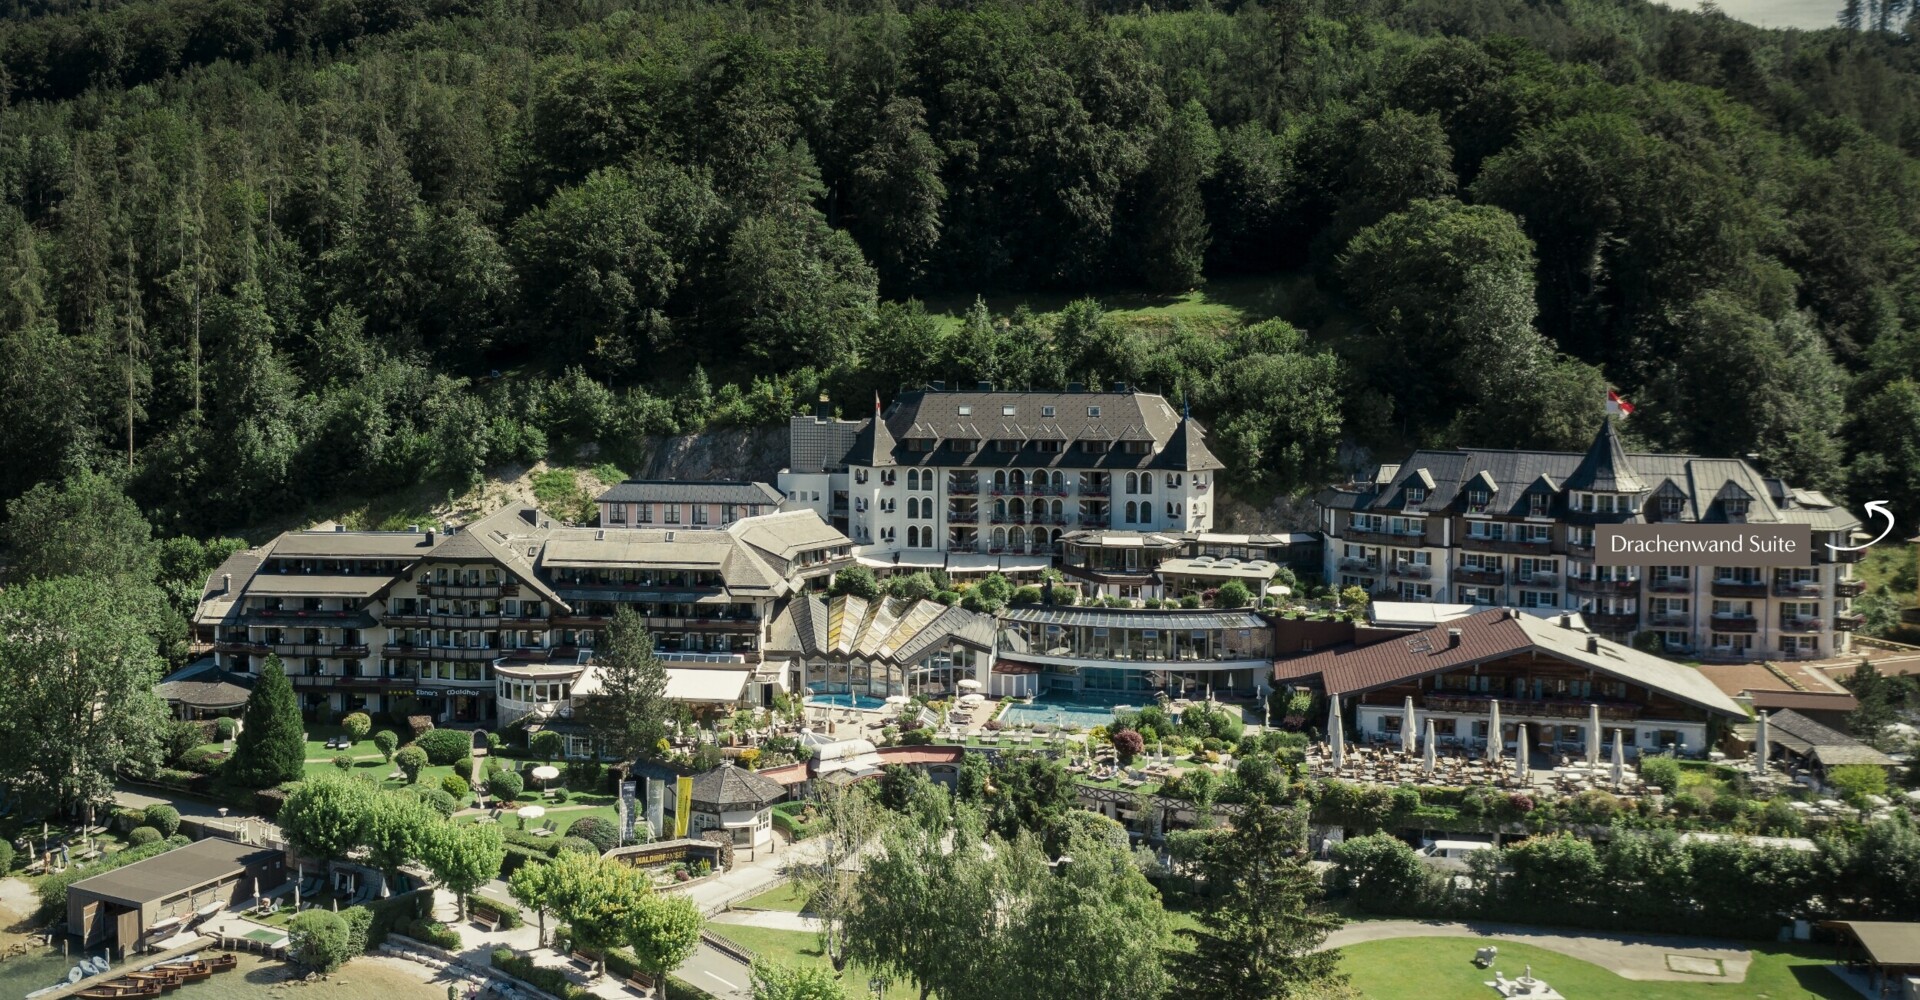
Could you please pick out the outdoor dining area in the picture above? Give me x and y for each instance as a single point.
(1432, 762)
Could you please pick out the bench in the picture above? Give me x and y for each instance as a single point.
(639, 983)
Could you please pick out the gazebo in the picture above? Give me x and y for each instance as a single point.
(737, 801)
(203, 691)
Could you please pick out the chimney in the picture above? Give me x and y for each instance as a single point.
(430, 534)
(1593, 644)
(413, 529)
(823, 408)
(1453, 637)
(1119, 387)
(1566, 621)
(226, 583)
(339, 527)
(600, 535)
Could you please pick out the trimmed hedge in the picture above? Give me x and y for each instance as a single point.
(446, 746)
(53, 888)
(141, 836)
(551, 980)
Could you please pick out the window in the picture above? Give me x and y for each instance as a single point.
(1416, 495)
(919, 444)
(1736, 507)
(1133, 485)
(1174, 480)
(1006, 444)
(1093, 411)
(1046, 411)
(1132, 512)
(673, 513)
(1136, 447)
(1477, 500)
(1173, 510)
(913, 479)
(1146, 483)
(700, 513)
(1007, 410)
(1537, 504)
(617, 513)
(966, 411)
(1050, 446)
(1095, 447)
(1671, 505)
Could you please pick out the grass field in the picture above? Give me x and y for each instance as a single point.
(1220, 305)
(1443, 969)
(803, 948)
(786, 896)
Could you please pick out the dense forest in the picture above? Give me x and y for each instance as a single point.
(260, 253)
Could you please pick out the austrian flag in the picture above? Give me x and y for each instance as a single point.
(1618, 407)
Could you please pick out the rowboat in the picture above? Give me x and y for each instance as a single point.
(167, 981)
(119, 988)
(189, 972)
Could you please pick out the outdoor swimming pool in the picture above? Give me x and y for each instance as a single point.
(865, 703)
(1059, 711)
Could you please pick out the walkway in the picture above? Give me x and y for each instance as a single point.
(776, 920)
(1643, 957)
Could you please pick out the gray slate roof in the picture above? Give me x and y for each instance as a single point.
(981, 416)
(176, 871)
(1823, 743)
(728, 787)
(686, 491)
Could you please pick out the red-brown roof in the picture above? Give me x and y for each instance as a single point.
(1488, 635)
(920, 755)
(1805, 701)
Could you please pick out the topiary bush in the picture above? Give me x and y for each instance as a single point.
(436, 799)
(143, 835)
(387, 742)
(445, 746)
(343, 762)
(223, 728)
(457, 787)
(319, 940)
(411, 759)
(604, 836)
(505, 786)
(163, 818)
(576, 845)
(357, 725)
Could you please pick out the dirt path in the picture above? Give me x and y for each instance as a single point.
(1632, 956)
(18, 904)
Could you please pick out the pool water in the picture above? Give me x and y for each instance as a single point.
(865, 703)
(1059, 711)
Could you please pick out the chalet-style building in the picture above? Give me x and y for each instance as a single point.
(672, 503)
(1544, 672)
(1156, 564)
(426, 622)
(985, 480)
(1516, 528)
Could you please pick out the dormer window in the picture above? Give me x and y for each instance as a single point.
(1477, 499)
(966, 411)
(920, 444)
(1136, 447)
(1094, 447)
(1736, 507)
(1537, 504)
(1007, 411)
(1416, 495)
(1006, 444)
(1671, 505)
(1046, 411)
(964, 444)
(1093, 411)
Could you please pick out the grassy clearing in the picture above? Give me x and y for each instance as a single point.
(1443, 969)
(803, 948)
(1218, 306)
(786, 896)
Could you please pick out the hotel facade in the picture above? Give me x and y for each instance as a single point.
(1517, 528)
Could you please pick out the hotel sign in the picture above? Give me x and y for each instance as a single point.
(1703, 544)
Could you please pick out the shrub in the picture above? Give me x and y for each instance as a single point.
(223, 728)
(386, 741)
(142, 836)
(505, 786)
(436, 799)
(1190, 601)
(558, 795)
(343, 762)
(359, 919)
(163, 818)
(411, 759)
(1026, 595)
(551, 981)
(917, 737)
(1661, 771)
(127, 819)
(1128, 744)
(1520, 802)
(6, 857)
(202, 760)
(578, 845)
(604, 836)
(546, 744)
(457, 787)
(357, 725)
(493, 742)
(318, 939)
(434, 933)
(1857, 781)
(445, 746)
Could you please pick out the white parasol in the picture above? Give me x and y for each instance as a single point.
(1495, 743)
(1593, 735)
(969, 684)
(1520, 751)
(1336, 736)
(1619, 761)
(1427, 763)
(1407, 735)
(1761, 750)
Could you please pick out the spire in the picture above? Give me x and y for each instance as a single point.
(1187, 448)
(873, 444)
(1605, 468)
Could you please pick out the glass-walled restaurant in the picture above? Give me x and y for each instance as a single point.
(1183, 653)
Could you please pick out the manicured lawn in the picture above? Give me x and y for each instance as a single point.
(1223, 303)
(803, 948)
(786, 896)
(1443, 969)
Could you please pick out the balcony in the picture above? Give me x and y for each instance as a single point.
(1612, 621)
(1537, 580)
(1479, 543)
(1481, 577)
(1095, 489)
(1671, 585)
(1383, 536)
(310, 681)
(1587, 585)
(442, 652)
(478, 591)
(963, 487)
(1735, 623)
(968, 514)
(1848, 621)
(1670, 619)
(1412, 571)
(1739, 588)
(290, 649)
(1360, 565)
(1803, 625)
(1849, 588)
(1796, 588)
(1470, 704)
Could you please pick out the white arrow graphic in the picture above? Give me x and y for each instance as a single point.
(1873, 507)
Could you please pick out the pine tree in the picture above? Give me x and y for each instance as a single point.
(271, 747)
(629, 715)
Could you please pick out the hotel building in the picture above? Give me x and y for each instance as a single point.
(1516, 528)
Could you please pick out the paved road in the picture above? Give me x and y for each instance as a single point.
(718, 973)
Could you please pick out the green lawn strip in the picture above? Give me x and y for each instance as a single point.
(786, 896)
(1443, 969)
(803, 948)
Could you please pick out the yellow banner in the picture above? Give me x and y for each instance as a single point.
(683, 806)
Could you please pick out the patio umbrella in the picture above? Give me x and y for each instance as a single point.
(898, 699)
(1520, 755)
(1619, 761)
(1428, 762)
(1494, 743)
(545, 773)
(1593, 735)
(1760, 748)
(969, 685)
(1336, 737)
(300, 875)
(1407, 735)
(529, 812)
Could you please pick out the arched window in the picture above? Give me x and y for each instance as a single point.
(913, 507)
(1016, 480)
(913, 537)
(1132, 508)
(999, 538)
(1040, 479)
(1057, 515)
(1133, 486)
(1173, 510)
(1053, 539)
(1000, 509)
(1017, 539)
(913, 479)
(1017, 509)
(1146, 483)
(999, 479)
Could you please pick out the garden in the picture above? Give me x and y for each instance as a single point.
(1441, 968)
